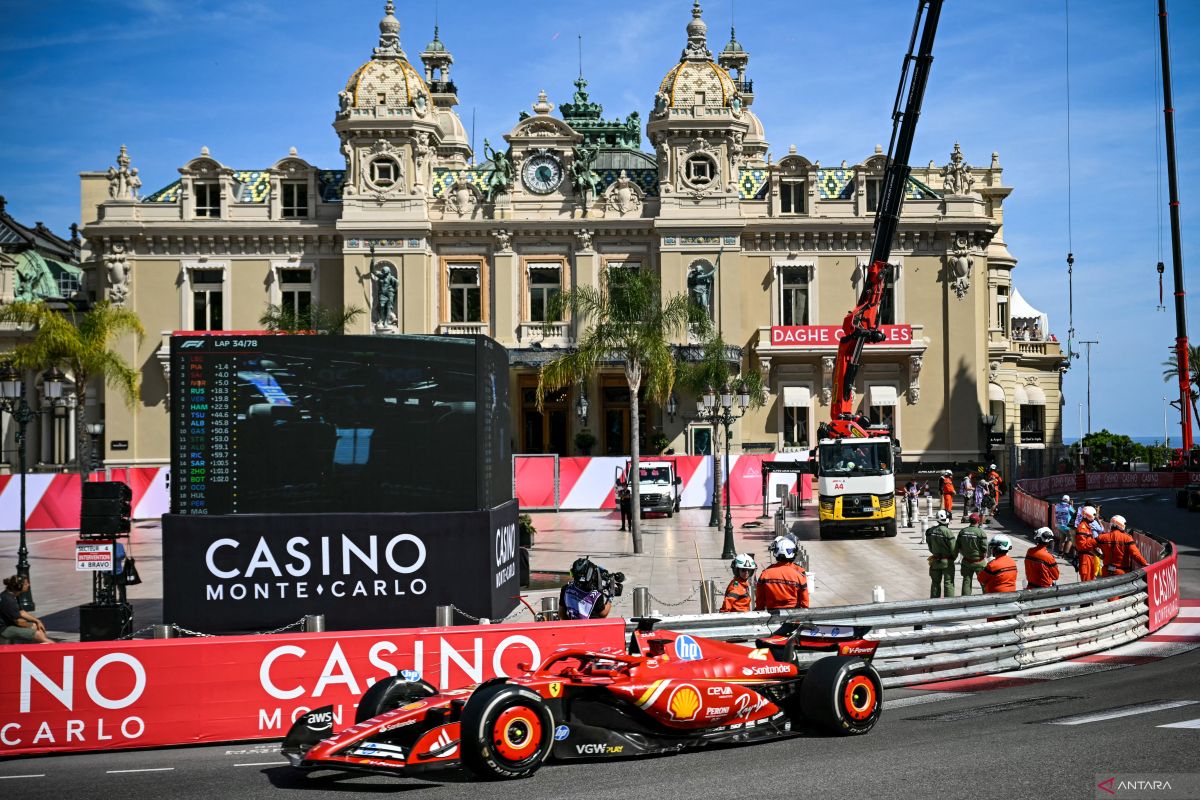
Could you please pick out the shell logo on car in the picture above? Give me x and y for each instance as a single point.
(684, 703)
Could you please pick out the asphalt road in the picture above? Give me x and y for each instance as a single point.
(1005, 743)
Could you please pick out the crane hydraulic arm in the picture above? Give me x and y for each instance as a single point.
(861, 325)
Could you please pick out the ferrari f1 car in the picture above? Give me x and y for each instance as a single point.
(669, 692)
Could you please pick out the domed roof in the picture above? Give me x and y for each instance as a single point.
(687, 79)
(757, 132)
(436, 45)
(394, 78)
(387, 79)
(453, 131)
(696, 80)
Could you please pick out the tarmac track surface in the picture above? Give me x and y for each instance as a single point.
(1042, 737)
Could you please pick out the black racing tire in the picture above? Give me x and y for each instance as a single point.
(843, 695)
(388, 694)
(889, 529)
(507, 732)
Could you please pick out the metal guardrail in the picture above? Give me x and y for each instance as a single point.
(933, 640)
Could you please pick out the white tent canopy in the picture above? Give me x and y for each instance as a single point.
(881, 396)
(796, 397)
(1020, 310)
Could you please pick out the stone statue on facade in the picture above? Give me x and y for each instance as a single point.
(385, 295)
(583, 237)
(700, 287)
(584, 179)
(344, 100)
(624, 196)
(503, 240)
(956, 176)
(960, 264)
(123, 182)
(462, 198)
(661, 101)
(500, 176)
(116, 268)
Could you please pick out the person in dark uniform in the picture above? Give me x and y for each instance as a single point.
(623, 502)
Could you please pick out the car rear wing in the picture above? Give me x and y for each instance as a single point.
(846, 640)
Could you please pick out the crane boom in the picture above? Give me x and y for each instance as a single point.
(861, 325)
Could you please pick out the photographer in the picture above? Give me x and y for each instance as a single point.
(16, 625)
(590, 593)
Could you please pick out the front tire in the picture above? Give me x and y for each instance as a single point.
(507, 732)
(389, 694)
(843, 695)
(889, 529)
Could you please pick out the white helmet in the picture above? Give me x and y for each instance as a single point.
(1089, 512)
(744, 561)
(1118, 521)
(783, 547)
(1043, 536)
(947, 472)
(991, 466)
(942, 516)
(1000, 542)
(1066, 498)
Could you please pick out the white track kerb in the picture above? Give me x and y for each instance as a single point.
(933, 640)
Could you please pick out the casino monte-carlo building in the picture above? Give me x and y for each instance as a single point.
(428, 237)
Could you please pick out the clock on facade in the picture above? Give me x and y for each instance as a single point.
(542, 173)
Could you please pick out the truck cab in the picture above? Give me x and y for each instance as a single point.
(658, 486)
(856, 485)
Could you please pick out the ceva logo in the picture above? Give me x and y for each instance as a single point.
(688, 649)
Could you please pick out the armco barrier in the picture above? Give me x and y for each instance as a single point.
(932, 640)
(105, 695)
(576, 484)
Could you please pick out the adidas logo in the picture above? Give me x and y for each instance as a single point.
(443, 740)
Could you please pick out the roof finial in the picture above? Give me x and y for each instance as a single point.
(697, 31)
(581, 55)
(389, 34)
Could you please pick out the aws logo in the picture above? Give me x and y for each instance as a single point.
(684, 703)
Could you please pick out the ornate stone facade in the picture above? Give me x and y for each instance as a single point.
(412, 230)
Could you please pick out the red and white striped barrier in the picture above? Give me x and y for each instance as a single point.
(52, 500)
(590, 483)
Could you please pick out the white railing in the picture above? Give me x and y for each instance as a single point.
(462, 328)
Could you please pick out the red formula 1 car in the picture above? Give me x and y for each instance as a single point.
(670, 692)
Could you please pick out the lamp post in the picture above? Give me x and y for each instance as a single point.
(581, 406)
(724, 415)
(989, 422)
(705, 410)
(95, 430)
(12, 400)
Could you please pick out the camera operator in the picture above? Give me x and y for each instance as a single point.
(590, 593)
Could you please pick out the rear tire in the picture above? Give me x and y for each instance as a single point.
(507, 732)
(843, 695)
(389, 694)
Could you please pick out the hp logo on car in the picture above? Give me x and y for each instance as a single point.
(561, 732)
(688, 649)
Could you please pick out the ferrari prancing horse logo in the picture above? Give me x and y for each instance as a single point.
(555, 689)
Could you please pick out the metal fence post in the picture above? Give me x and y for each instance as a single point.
(164, 632)
(549, 609)
(641, 601)
(314, 623)
(443, 616)
(710, 590)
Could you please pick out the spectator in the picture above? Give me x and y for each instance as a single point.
(987, 500)
(1064, 512)
(1118, 551)
(737, 593)
(783, 585)
(1041, 570)
(583, 597)
(912, 494)
(1000, 574)
(972, 545)
(942, 548)
(967, 489)
(16, 625)
(624, 500)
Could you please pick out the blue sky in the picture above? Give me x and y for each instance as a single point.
(250, 79)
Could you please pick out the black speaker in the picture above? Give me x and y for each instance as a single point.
(101, 623)
(105, 509)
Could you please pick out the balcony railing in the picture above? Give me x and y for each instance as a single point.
(546, 334)
(462, 328)
(443, 87)
(745, 86)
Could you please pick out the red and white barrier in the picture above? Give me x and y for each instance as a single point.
(105, 695)
(52, 500)
(589, 483)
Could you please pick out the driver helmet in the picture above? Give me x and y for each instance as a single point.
(1066, 498)
(1043, 536)
(1000, 542)
(585, 574)
(743, 561)
(1117, 522)
(1089, 512)
(943, 517)
(783, 547)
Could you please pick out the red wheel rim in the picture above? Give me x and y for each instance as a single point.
(859, 698)
(517, 733)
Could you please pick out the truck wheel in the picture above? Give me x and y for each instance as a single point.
(826, 532)
(389, 694)
(843, 695)
(670, 512)
(507, 732)
(889, 529)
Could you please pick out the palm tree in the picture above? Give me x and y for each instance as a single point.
(1171, 373)
(713, 371)
(81, 345)
(627, 322)
(314, 318)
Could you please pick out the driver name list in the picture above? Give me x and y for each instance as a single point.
(205, 429)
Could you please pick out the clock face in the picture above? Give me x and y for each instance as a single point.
(543, 173)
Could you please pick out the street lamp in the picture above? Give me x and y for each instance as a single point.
(989, 422)
(672, 406)
(12, 400)
(720, 410)
(705, 404)
(581, 406)
(95, 430)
